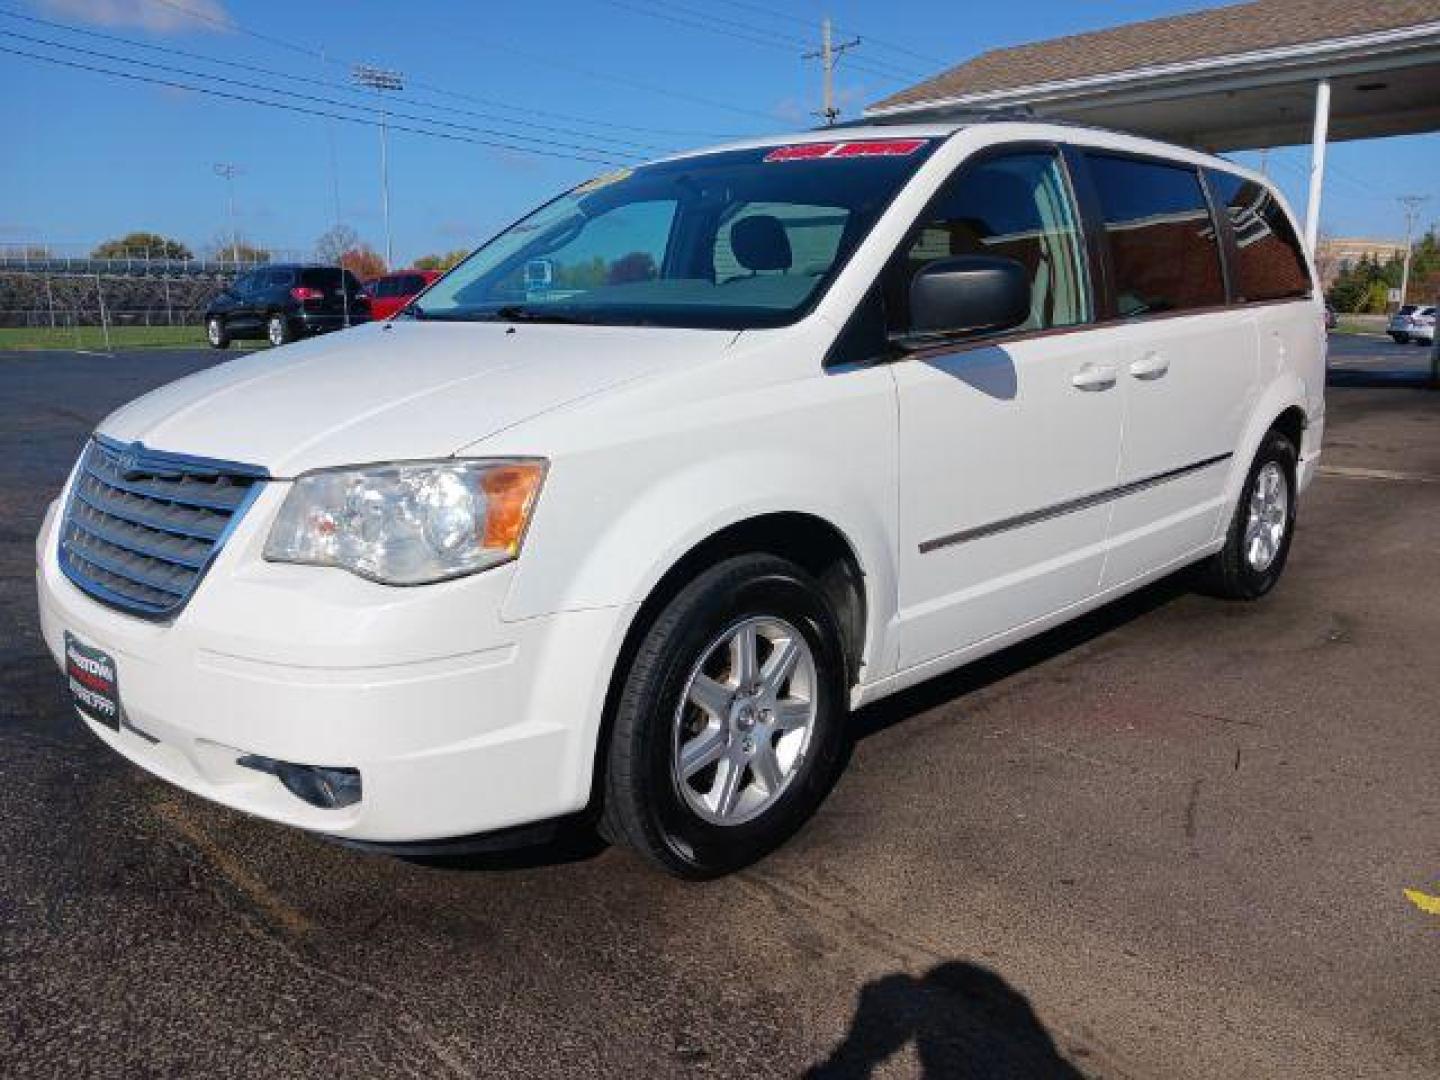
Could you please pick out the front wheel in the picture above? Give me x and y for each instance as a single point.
(1258, 541)
(1400, 339)
(730, 726)
(278, 330)
(216, 334)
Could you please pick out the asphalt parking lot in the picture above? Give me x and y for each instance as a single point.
(1169, 841)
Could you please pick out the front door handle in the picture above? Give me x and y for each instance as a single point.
(1094, 377)
(1150, 366)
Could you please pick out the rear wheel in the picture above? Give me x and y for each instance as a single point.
(1400, 339)
(1258, 541)
(216, 334)
(730, 725)
(278, 330)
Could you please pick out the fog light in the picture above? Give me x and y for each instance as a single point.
(319, 785)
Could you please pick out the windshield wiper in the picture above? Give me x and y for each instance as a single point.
(520, 313)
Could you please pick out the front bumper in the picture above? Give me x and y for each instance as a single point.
(458, 721)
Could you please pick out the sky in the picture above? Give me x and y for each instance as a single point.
(535, 96)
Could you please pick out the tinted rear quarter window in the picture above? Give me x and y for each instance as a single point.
(1271, 262)
(321, 277)
(1164, 252)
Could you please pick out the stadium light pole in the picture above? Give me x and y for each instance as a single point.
(229, 171)
(382, 80)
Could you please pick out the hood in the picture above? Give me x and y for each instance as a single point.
(396, 391)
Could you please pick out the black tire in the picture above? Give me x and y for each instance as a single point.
(1400, 339)
(1229, 573)
(278, 329)
(216, 334)
(643, 807)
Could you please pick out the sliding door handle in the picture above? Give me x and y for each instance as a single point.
(1094, 377)
(1150, 366)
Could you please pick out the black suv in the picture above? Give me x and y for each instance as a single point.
(283, 301)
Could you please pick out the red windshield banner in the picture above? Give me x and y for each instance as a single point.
(872, 148)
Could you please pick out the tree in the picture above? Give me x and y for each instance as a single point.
(363, 261)
(224, 248)
(142, 245)
(637, 266)
(441, 262)
(335, 242)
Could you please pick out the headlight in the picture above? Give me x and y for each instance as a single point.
(408, 524)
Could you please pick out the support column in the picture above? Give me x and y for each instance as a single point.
(1317, 164)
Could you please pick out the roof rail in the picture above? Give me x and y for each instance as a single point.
(962, 115)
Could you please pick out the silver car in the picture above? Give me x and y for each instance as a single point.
(1413, 323)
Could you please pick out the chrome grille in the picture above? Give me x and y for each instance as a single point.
(142, 526)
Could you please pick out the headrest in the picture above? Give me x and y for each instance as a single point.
(760, 243)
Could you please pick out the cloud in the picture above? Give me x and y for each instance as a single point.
(157, 16)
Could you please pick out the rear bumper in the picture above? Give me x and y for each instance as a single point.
(459, 722)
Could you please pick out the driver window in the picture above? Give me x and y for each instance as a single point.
(1017, 206)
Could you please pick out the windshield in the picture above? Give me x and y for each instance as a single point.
(734, 240)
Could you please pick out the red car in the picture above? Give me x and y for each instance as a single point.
(392, 292)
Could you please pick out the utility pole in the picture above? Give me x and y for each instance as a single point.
(829, 55)
(1412, 204)
(229, 171)
(381, 80)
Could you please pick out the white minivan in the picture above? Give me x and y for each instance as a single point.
(618, 521)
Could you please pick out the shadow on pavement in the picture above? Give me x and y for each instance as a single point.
(965, 1021)
(1380, 378)
(547, 843)
(575, 839)
(981, 673)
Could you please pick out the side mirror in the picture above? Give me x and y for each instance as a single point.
(970, 294)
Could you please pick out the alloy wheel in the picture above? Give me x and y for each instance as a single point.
(745, 721)
(1268, 517)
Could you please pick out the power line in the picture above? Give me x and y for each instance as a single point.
(510, 48)
(870, 39)
(327, 84)
(695, 20)
(494, 44)
(332, 102)
(365, 121)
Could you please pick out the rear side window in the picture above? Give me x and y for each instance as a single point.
(411, 284)
(1017, 206)
(1164, 253)
(1271, 260)
(321, 277)
(386, 288)
(277, 279)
